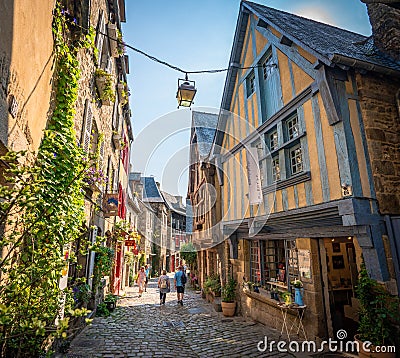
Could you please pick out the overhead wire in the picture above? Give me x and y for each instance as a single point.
(165, 63)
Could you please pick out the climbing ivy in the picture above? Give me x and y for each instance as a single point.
(41, 214)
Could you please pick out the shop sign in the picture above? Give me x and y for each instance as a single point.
(110, 205)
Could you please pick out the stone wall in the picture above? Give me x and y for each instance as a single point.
(385, 22)
(377, 94)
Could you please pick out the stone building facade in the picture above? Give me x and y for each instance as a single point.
(102, 125)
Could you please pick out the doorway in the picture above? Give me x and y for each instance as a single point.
(340, 277)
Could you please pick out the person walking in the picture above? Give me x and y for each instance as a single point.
(141, 279)
(164, 286)
(147, 272)
(179, 282)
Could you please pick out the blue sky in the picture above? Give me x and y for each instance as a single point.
(193, 35)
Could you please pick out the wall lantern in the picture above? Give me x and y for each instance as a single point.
(186, 92)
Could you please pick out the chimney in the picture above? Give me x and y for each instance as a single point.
(384, 16)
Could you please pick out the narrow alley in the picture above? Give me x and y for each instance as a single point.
(140, 327)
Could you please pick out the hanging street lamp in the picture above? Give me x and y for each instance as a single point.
(186, 92)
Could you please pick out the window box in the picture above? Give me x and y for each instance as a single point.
(104, 84)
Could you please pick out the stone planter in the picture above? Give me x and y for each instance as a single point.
(228, 308)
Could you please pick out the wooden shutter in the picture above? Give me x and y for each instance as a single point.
(101, 29)
(87, 127)
(272, 90)
(101, 153)
(115, 116)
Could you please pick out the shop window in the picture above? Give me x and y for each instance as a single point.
(251, 84)
(278, 260)
(255, 273)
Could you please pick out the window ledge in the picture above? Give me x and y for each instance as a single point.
(293, 180)
(262, 297)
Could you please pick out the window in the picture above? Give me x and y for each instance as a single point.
(255, 275)
(296, 159)
(278, 260)
(276, 170)
(292, 126)
(251, 84)
(272, 139)
(267, 67)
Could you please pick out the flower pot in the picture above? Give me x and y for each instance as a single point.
(228, 308)
(110, 305)
(298, 296)
(370, 352)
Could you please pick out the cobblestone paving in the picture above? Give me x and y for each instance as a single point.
(140, 327)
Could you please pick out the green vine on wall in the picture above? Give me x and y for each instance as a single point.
(42, 213)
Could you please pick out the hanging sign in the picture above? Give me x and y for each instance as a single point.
(253, 176)
(110, 205)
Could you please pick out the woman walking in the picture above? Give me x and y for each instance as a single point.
(141, 279)
(164, 286)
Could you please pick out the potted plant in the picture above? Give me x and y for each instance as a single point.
(111, 301)
(256, 287)
(379, 314)
(275, 294)
(286, 297)
(228, 294)
(298, 292)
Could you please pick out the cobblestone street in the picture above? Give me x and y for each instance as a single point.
(140, 327)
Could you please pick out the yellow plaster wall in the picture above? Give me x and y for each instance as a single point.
(248, 48)
(313, 153)
(301, 79)
(261, 42)
(275, 32)
(349, 87)
(332, 165)
(310, 58)
(301, 195)
(27, 41)
(241, 106)
(278, 199)
(362, 164)
(290, 196)
(285, 77)
(256, 120)
(250, 117)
